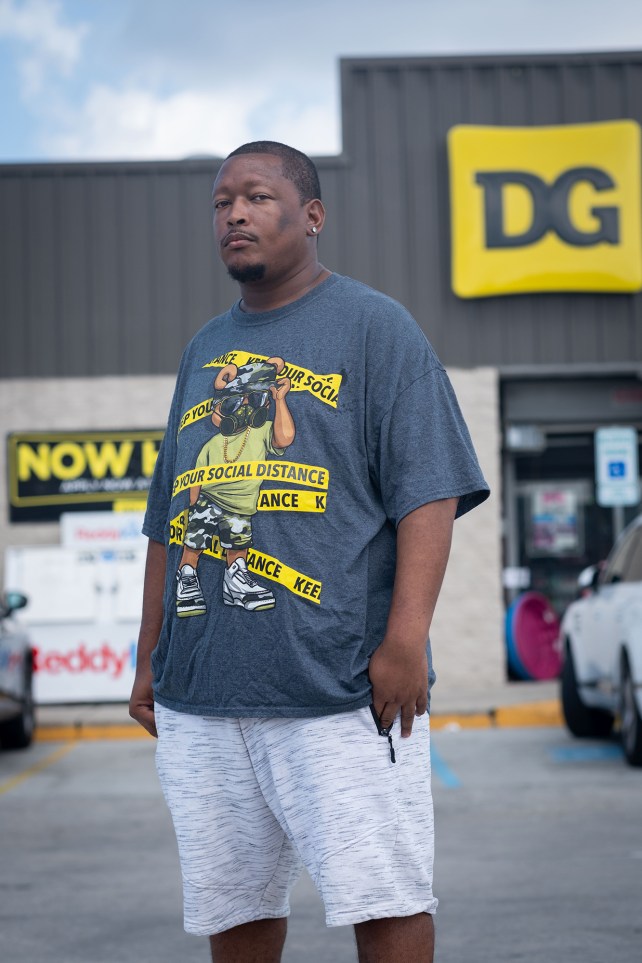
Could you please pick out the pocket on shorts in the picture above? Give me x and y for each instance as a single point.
(384, 731)
(377, 721)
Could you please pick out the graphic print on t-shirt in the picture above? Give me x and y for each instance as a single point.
(225, 485)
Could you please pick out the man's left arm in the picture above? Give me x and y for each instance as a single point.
(398, 669)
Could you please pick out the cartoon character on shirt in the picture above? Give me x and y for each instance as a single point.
(241, 399)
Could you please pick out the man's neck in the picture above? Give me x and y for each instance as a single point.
(268, 295)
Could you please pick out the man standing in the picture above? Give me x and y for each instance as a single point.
(270, 718)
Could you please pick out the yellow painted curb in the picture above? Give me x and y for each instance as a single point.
(89, 733)
(547, 713)
(532, 714)
(460, 720)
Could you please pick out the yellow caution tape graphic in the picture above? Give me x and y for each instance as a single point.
(311, 476)
(287, 500)
(258, 562)
(201, 410)
(325, 387)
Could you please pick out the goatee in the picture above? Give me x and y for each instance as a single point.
(247, 274)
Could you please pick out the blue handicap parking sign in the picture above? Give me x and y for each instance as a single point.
(617, 469)
(616, 466)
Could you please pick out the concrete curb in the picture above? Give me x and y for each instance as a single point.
(522, 715)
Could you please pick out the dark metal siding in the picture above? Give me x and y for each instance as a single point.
(397, 114)
(110, 268)
(104, 270)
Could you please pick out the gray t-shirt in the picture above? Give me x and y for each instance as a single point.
(377, 433)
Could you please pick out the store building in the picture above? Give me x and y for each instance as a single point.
(498, 198)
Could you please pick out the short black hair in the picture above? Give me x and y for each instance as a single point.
(296, 165)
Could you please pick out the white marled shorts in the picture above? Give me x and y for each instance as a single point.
(253, 800)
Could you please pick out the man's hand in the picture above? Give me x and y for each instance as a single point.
(399, 677)
(141, 705)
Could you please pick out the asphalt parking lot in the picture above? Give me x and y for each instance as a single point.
(539, 856)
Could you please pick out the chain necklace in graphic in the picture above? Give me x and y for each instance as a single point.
(230, 461)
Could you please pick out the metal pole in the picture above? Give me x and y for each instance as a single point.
(618, 521)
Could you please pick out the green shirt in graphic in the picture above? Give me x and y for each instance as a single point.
(255, 445)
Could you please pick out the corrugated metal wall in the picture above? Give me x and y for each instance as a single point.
(110, 268)
(397, 115)
(104, 269)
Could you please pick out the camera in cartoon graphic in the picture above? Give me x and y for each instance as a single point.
(245, 399)
(241, 407)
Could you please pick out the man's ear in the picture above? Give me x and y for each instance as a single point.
(315, 216)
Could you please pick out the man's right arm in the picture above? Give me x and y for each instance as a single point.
(141, 704)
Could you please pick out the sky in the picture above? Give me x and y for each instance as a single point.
(169, 79)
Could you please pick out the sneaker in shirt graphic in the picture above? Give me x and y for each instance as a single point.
(240, 408)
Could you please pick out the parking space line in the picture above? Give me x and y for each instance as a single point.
(585, 753)
(443, 772)
(36, 768)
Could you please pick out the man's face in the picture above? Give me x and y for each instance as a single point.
(260, 224)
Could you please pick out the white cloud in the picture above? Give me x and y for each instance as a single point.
(48, 44)
(311, 127)
(168, 80)
(136, 124)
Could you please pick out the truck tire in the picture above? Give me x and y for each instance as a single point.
(581, 720)
(630, 719)
(17, 733)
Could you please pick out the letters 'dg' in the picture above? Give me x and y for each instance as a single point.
(550, 208)
(545, 209)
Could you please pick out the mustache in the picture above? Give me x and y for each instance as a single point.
(237, 236)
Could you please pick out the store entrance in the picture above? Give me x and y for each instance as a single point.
(560, 529)
(553, 526)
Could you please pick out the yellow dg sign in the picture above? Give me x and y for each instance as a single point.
(545, 208)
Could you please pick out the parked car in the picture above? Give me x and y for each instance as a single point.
(16, 676)
(601, 636)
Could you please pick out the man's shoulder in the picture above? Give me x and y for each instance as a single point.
(366, 296)
(391, 328)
